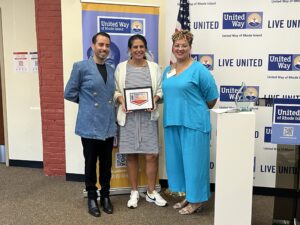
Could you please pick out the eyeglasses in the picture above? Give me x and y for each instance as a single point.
(181, 46)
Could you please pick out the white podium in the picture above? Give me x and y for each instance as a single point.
(233, 139)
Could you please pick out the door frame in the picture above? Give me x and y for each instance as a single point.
(2, 77)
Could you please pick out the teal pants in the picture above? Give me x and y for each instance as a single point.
(187, 162)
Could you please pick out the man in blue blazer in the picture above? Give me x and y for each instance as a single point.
(92, 86)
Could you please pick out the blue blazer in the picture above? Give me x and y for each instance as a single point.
(96, 112)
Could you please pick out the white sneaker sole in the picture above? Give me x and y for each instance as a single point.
(133, 206)
(156, 203)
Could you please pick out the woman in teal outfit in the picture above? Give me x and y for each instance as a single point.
(189, 92)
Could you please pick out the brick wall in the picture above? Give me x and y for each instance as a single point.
(49, 41)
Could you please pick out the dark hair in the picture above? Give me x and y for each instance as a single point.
(101, 34)
(137, 37)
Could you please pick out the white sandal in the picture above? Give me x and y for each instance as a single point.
(191, 208)
(180, 205)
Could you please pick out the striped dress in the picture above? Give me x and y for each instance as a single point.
(140, 134)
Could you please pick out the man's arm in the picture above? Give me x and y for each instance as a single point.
(72, 88)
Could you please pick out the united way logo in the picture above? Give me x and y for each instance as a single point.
(137, 27)
(121, 25)
(296, 62)
(254, 20)
(242, 20)
(139, 98)
(251, 93)
(228, 93)
(284, 62)
(206, 60)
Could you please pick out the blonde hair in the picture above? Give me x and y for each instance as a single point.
(183, 34)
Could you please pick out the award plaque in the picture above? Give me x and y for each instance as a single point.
(245, 98)
(138, 98)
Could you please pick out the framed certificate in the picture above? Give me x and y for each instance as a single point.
(138, 98)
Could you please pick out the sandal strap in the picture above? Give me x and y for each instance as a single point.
(190, 209)
(180, 205)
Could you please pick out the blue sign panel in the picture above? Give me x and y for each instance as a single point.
(242, 20)
(121, 26)
(286, 121)
(228, 93)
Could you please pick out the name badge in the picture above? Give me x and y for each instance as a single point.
(171, 73)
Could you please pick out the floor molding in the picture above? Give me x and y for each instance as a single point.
(26, 163)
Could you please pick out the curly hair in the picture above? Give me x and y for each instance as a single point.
(183, 34)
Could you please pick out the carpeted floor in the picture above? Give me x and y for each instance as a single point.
(27, 197)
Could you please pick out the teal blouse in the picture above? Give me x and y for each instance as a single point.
(185, 96)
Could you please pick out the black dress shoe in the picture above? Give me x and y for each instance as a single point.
(93, 207)
(106, 204)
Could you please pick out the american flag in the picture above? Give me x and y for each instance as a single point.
(183, 20)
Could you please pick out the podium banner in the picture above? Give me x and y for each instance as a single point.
(286, 122)
(119, 179)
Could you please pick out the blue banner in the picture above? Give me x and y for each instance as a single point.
(120, 23)
(286, 121)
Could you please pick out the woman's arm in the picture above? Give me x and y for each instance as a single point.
(121, 101)
(118, 80)
(212, 103)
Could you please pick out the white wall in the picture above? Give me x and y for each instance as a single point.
(21, 93)
(72, 51)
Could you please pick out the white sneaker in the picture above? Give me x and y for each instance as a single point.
(134, 198)
(156, 198)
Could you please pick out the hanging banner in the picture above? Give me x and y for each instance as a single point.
(121, 22)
